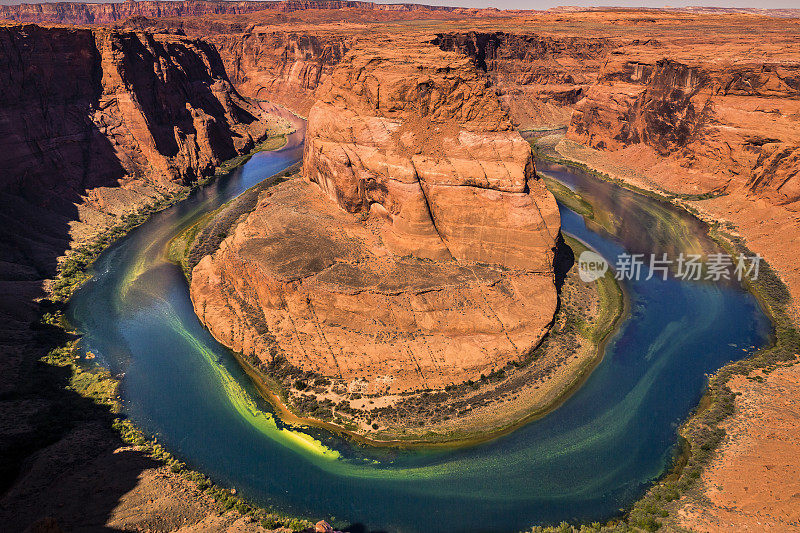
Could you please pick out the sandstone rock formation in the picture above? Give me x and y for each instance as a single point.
(303, 279)
(445, 272)
(692, 103)
(94, 123)
(419, 139)
(283, 67)
(737, 124)
(100, 13)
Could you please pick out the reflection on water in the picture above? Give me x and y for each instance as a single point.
(593, 455)
(641, 225)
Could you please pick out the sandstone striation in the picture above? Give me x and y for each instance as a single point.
(419, 140)
(421, 253)
(279, 66)
(302, 279)
(735, 124)
(106, 13)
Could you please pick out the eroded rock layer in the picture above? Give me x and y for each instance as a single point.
(279, 66)
(539, 77)
(419, 140)
(104, 13)
(94, 125)
(420, 255)
(734, 123)
(306, 280)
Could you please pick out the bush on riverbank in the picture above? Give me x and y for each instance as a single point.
(225, 499)
(73, 270)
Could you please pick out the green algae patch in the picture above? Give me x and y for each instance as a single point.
(567, 196)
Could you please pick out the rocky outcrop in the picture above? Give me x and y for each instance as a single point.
(733, 123)
(664, 107)
(106, 13)
(96, 123)
(419, 140)
(421, 253)
(302, 280)
(284, 67)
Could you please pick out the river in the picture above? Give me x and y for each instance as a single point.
(585, 461)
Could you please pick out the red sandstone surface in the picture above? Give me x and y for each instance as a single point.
(95, 123)
(106, 13)
(754, 482)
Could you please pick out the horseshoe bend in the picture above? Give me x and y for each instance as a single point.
(317, 266)
(415, 252)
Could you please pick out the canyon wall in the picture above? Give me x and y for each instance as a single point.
(421, 252)
(735, 125)
(95, 123)
(730, 123)
(107, 13)
(539, 78)
(279, 66)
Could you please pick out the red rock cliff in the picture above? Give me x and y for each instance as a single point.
(96, 122)
(283, 67)
(106, 13)
(737, 124)
(539, 78)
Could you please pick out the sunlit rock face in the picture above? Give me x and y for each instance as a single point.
(280, 66)
(302, 279)
(539, 78)
(734, 124)
(417, 248)
(417, 136)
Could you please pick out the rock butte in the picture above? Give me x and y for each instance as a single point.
(446, 270)
(678, 101)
